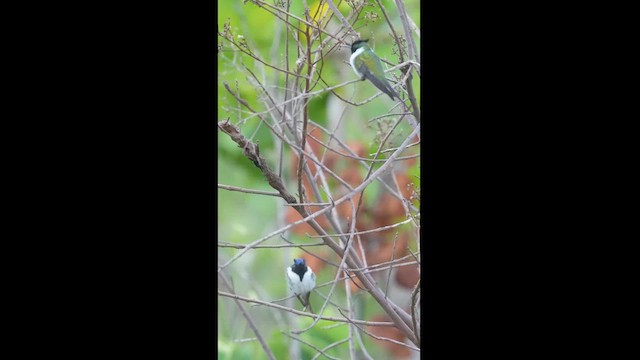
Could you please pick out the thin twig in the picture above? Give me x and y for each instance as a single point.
(414, 255)
(365, 272)
(361, 158)
(311, 204)
(395, 36)
(375, 157)
(310, 24)
(338, 14)
(362, 347)
(310, 345)
(362, 253)
(387, 115)
(384, 338)
(352, 350)
(329, 347)
(381, 266)
(394, 149)
(369, 231)
(333, 326)
(414, 305)
(305, 121)
(244, 340)
(255, 57)
(393, 253)
(246, 315)
(240, 246)
(411, 45)
(347, 291)
(318, 293)
(327, 299)
(248, 191)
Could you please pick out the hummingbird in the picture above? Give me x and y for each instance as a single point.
(367, 65)
(301, 280)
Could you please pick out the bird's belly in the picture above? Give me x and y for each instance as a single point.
(296, 287)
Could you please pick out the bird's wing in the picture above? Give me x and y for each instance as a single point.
(290, 278)
(382, 85)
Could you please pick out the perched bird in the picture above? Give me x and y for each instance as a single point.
(367, 65)
(301, 280)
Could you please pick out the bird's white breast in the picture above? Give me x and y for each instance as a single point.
(301, 287)
(353, 58)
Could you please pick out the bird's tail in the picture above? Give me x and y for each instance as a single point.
(392, 93)
(308, 302)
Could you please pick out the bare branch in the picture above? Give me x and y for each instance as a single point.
(248, 191)
(338, 14)
(350, 309)
(414, 305)
(358, 157)
(395, 36)
(301, 313)
(393, 254)
(394, 149)
(255, 57)
(369, 231)
(383, 338)
(411, 45)
(414, 255)
(246, 315)
(329, 347)
(309, 345)
(240, 246)
(383, 266)
(303, 21)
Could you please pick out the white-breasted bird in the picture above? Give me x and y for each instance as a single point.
(367, 65)
(301, 280)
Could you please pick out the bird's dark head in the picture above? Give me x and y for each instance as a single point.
(299, 263)
(358, 44)
(299, 267)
